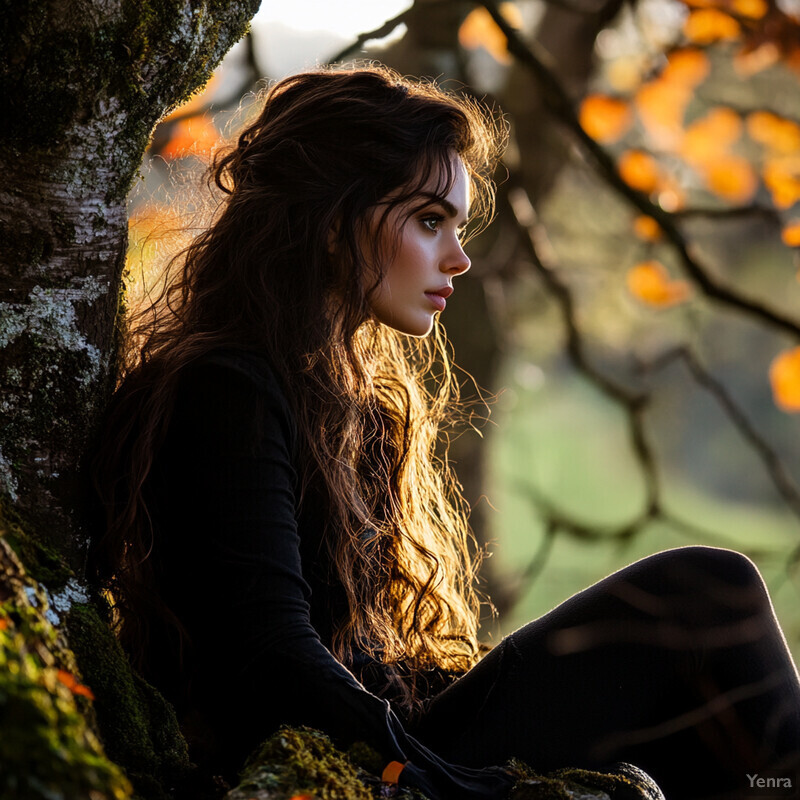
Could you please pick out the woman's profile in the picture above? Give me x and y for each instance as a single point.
(285, 542)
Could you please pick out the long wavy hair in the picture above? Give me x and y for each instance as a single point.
(281, 271)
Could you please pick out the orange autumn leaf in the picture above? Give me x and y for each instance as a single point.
(750, 61)
(661, 105)
(790, 235)
(784, 377)
(646, 228)
(71, 682)
(671, 196)
(782, 178)
(479, 30)
(707, 25)
(708, 137)
(650, 282)
(85, 691)
(776, 133)
(639, 170)
(753, 9)
(193, 136)
(604, 118)
(67, 678)
(624, 73)
(732, 178)
(687, 66)
(3, 624)
(301, 797)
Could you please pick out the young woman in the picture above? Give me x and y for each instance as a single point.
(283, 543)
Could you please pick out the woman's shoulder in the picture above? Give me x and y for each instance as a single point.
(234, 389)
(235, 371)
(249, 365)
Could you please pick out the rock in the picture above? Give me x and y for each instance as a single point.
(623, 782)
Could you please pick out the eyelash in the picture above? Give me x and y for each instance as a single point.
(437, 218)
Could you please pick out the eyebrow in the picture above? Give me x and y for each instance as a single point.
(449, 208)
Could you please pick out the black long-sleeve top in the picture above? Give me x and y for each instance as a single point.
(243, 567)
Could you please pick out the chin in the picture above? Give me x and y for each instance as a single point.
(418, 329)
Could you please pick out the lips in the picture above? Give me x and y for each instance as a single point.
(439, 297)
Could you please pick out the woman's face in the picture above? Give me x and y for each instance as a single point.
(427, 255)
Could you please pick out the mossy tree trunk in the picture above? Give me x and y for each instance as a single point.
(83, 84)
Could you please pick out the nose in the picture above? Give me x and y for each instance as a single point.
(457, 261)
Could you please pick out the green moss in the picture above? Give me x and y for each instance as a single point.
(48, 748)
(294, 761)
(303, 761)
(363, 756)
(42, 720)
(627, 783)
(138, 727)
(42, 563)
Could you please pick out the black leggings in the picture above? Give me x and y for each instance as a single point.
(675, 664)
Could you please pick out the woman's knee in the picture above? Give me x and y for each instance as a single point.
(735, 567)
(701, 562)
(704, 582)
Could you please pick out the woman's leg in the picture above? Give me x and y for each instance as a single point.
(675, 664)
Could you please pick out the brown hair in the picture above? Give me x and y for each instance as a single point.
(327, 147)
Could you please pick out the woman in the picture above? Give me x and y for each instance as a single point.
(283, 543)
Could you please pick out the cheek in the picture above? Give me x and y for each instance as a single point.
(412, 258)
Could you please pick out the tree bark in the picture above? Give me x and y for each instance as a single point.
(83, 82)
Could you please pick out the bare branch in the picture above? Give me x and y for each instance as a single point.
(781, 479)
(752, 210)
(635, 404)
(532, 234)
(379, 33)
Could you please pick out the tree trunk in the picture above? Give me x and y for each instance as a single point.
(83, 82)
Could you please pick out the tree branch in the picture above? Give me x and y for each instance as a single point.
(379, 33)
(781, 479)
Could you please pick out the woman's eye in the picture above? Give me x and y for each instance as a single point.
(432, 223)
